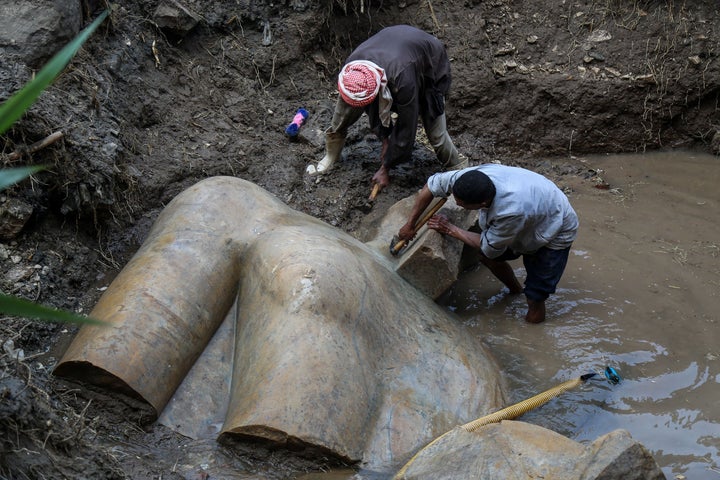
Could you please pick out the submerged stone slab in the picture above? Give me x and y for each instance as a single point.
(512, 449)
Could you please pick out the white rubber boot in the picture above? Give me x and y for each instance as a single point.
(334, 144)
(458, 163)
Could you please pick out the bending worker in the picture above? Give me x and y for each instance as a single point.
(521, 213)
(400, 70)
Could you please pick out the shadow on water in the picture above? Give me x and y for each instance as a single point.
(640, 294)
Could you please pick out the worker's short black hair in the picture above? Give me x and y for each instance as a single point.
(474, 187)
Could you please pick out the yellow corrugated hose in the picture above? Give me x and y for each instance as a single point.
(508, 413)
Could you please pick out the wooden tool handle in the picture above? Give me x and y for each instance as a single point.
(430, 213)
(400, 244)
(375, 191)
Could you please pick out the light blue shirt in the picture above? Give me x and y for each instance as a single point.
(528, 211)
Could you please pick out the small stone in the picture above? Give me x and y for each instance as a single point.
(648, 78)
(599, 36)
(175, 18)
(14, 214)
(507, 49)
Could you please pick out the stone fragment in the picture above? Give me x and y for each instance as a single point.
(176, 18)
(33, 31)
(512, 449)
(599, 36)
(431, 261)
(14, 214)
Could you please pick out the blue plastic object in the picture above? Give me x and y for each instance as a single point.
(612, 375)
(298, 121)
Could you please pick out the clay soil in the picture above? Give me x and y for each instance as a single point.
(146, 112)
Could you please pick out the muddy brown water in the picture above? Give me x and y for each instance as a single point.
(640, 294)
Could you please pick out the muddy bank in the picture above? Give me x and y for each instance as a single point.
(147, 111)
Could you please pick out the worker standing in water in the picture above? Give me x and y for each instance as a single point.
(402, 73)
(520, 214)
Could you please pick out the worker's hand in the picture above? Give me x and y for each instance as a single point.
(381, 177)
(407, 232)
(441, 224)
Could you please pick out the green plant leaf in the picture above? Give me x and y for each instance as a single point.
(11, 176)
(23, 308)
(16, 105)
(10, 111)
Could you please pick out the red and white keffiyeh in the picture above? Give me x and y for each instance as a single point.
(360, 81)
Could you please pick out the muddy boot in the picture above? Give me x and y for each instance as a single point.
(334, 143)
(458, 162)
(536, 312)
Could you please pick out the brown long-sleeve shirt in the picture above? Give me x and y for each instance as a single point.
(418, 73)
